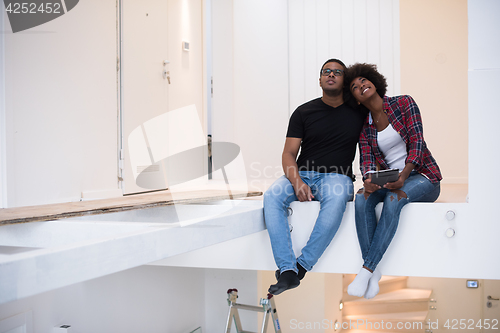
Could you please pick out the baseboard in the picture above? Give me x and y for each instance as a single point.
(103, 194)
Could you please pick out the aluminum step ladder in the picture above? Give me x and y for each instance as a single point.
(267, 306)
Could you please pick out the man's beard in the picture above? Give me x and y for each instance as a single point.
(334, 93)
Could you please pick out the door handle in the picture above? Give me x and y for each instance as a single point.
(166, 75)
(493, 299)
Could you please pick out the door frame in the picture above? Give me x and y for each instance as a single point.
(3, 117)
(207, 76)
(119, 77)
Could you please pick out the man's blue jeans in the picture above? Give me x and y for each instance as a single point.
(374, 238)
(332, 190)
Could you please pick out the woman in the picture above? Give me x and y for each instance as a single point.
(392, 137)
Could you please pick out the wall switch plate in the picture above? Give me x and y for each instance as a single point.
(63, 329)
(472, 284)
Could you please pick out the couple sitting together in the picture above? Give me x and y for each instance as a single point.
(353, 108)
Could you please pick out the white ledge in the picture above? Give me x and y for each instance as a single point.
(41, 256)
(419, 248)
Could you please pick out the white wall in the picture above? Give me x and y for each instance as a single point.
(250, 72)
(266, 61)
(483, 71)
(438, 47)
(61, 106)
(174, 299)
(143, 299)
(217, 282)
(222, 66)
(352, 31)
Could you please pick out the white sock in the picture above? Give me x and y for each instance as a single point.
(360, 284)
(373, 287)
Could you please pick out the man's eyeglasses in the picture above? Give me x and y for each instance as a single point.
(328, 71)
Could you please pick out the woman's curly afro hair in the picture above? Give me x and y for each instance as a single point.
(369, 72)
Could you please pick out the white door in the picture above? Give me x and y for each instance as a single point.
(491, 306)
(162, 71)
(144, 89)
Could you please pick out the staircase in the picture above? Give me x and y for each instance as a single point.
(395, 309)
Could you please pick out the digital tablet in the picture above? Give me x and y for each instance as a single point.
(383, 177)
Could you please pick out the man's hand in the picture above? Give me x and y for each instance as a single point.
(303, 192)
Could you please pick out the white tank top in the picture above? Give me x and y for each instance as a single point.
(393, 147)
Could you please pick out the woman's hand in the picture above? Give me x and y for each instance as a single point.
(403, 175)
(397, 184)
(370, 187)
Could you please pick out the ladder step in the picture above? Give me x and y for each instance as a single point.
(267, 306)
(249, 307)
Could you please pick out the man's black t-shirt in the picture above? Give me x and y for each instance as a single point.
(329, 136)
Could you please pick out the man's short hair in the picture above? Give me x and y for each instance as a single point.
(369, 72)
(333, 60)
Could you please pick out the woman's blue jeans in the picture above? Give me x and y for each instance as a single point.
(332, 190)
(374, 238)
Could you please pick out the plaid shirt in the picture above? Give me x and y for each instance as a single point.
(404, 116)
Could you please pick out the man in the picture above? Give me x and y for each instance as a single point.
(327, 131)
